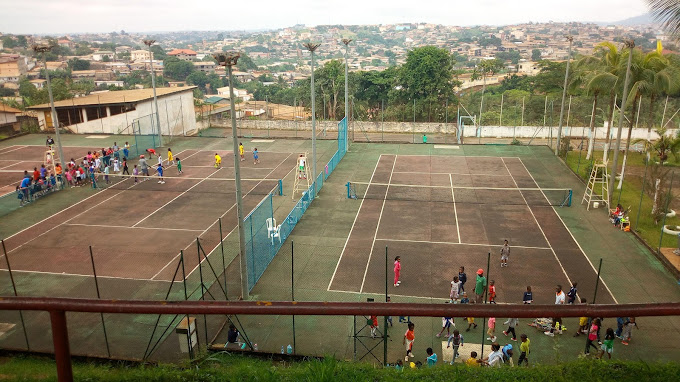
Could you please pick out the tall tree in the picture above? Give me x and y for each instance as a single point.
(482, 70)
(177, 69)
(668, 13)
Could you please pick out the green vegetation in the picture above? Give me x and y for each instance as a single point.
(225, 367)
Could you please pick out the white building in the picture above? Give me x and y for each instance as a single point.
(99, 56)
(117, 112)
(139, 55)
(238, 93)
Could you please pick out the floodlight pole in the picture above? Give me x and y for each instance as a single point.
(630, 44)
(55, 119)
(228, 60)
(564, 94)
(153, 84)
(346, 41)
(312, 47)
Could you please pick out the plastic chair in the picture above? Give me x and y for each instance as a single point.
(276, 234)
(271, 227)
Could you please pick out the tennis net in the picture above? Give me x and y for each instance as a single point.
(461, 194)
(181, 184)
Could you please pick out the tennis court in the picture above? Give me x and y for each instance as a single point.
(442, 212)
(137, 229)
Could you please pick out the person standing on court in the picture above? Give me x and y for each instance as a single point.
(397, 271)
(463, 279)
(557, 321)
(480, 286)
(143, 165)
(505, 253)
(241, 151)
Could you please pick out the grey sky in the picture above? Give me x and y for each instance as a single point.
(69, 16)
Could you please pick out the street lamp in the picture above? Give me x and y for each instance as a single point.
(564, 94)
(312, 47)
(153, 84)
(346, 41)
(228, 60)
(44, 48)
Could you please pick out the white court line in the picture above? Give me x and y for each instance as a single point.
(455, 211)
(446, 173)
(59, 212)
(9, 151)
(355, 222)
(570, 234)
(370, 254)
(454, 156)
(82, 275)
(127, 227)
(212, 166)
(175, 198)
(225, 213)
(538, 224)
(452, 243)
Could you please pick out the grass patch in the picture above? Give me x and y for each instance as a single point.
(226, 367)
(631, 194)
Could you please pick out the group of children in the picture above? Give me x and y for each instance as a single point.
(241, 152)
(37, 184)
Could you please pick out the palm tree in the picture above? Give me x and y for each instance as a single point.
(668, 13)
(652, 76)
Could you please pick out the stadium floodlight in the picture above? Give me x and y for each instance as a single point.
(228, 60)
(153, 85)
(312, 48)
(44, 48)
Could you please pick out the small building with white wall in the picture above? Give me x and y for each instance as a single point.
(124, 112)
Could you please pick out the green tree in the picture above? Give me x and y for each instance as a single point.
(536, 55)
(245, 63)
(330, 81)
(158, 52)
(199, 79)
(482, 70)
(78, 64)
(376, 87)
(668, 13)
(427, 74)
(512, 56)
(177, 69)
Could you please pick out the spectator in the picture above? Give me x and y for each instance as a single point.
(431, 357)
(528, 296)
(557, 321)
(480, 286)
(571, 295)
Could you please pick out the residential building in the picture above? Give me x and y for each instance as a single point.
(12, 67)
(39, 83)
(183, 54)
(205, 66)
(238, 93)
(100, 56)
(116, 112)
(139, 55)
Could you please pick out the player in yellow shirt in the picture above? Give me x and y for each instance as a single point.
(170, 159)
(473, 361)
(241, 151)
(218, 160)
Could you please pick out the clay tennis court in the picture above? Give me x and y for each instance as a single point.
(468, 206)
(138, 229)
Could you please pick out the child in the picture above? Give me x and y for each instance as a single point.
(582, 322)
(397, 270)
(218, 160)
(447, 323)
(170, 162)
(126, 149)
(455, 288)
(241, 151)
(463, 279)
(179, 165)
(373, 325)
(20, 196)
(528, 296)
(470, 320)
(524, 350)
(511, 322)
(431, 357)
(135, 172)
(505, 253)
(409, 337)
(492, 329)
(125, 166)
(106, 174)
(93, 179)
(473, 361)
(507, 354)
(628, 330)
(592, 335)
(607, 345)
(160, 160)
(256, 156)
(571, 295)
(492, 292)
(116, 166)
(151, 152)
(457, 340)
(159, 170)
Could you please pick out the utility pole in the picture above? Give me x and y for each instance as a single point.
(630, 44)
(44, 48)
(346, 41)
(153, 84)
(312, 48)
(564, 94)
(228, 60)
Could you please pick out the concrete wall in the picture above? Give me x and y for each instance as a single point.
(431, 128)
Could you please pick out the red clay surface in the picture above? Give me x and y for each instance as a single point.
(137, 231)
(435, 238)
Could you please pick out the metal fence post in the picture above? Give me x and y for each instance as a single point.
(96, 285)
(14, 288)
(62, 351)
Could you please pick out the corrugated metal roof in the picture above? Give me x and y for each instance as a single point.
(115, 97)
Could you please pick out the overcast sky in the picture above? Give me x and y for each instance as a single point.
(72, 16)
